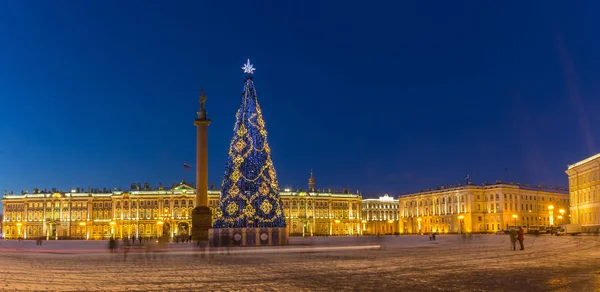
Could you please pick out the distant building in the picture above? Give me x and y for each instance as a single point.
(380, 216)
(481, 209)
(584, 188)
(151, 212)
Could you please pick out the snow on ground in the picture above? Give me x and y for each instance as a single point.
(398, 263)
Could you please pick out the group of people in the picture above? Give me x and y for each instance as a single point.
(517, 235)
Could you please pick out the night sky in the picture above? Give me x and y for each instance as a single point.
(381, 98)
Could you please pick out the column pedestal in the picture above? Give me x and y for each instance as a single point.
(201, 222)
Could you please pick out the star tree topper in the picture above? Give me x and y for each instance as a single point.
(248, 68)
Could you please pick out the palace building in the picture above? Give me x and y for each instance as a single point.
(149, 212)
(584, 188)
(482, 208)
(380, 216)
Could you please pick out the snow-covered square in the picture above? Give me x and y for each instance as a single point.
(393, 263)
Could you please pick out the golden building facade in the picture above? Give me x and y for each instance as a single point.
(380, 216)
(584, 188)
(322, 213)
(484, 208)
(148, 212)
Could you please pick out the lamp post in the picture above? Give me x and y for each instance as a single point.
(461, 217)
(515, 219)
(419, 223)
(562, 212)
(551, 213)
(561, 219)
(167, 218)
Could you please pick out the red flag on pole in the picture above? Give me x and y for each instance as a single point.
(186, 166)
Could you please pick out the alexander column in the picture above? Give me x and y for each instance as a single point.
(201, 216)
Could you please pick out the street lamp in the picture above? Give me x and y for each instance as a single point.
(461, 217)
(562, 212)
(419, 222)
(551, 213)
(515, 219)
(561, 219)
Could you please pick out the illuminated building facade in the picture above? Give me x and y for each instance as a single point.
(322, 213)
(149, 212)
(380, 216)
(481, 209)
(584, 188)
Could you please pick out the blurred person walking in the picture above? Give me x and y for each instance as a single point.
(112, 244)
(521, 237)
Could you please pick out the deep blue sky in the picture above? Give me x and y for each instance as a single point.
(385, 98)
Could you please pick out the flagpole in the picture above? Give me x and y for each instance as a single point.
(185, 167)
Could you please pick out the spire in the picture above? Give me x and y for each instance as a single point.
(250, 190)
(311, 182)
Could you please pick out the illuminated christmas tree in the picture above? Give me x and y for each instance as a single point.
(250, 191)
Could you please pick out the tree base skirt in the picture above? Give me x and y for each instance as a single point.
(247, 236)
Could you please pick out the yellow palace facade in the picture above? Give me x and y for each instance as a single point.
(584, 190)
(484, 208)
(147, 212)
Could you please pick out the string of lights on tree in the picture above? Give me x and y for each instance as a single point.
(250, 191)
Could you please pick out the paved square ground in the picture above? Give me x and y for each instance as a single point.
(398, 263)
